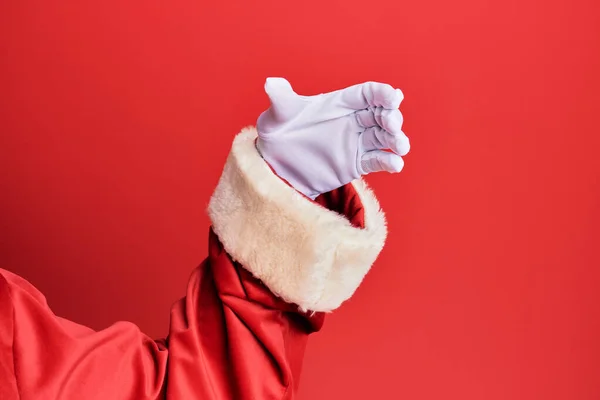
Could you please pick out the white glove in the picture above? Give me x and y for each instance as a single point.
(320, 143)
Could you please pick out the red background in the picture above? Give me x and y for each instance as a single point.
(116, 118)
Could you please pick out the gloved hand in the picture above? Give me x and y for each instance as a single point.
(320, 143)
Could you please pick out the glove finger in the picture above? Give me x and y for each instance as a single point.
(370, 94)
(277, 87)
(379, 160)
(285, 103)
(376, 138)
(390, 120)
(366, 118)
(372, 116)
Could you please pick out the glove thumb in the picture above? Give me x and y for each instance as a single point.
(285, 103)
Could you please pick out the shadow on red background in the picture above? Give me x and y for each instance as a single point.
(116, 118)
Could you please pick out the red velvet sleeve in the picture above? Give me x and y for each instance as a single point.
(229, 338)
(239, 332)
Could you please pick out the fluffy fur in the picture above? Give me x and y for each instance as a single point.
(301, 251)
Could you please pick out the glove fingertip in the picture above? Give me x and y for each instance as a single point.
(402, 145)
(400, 96)
(275, 85)
(395, 163)
(392, 121)
(393, 98)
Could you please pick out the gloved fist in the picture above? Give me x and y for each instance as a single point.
(320, 143)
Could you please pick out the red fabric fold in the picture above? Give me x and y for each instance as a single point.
(229, 338)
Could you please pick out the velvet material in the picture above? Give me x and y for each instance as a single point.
(229, 338)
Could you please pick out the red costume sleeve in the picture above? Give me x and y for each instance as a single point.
(240, 331)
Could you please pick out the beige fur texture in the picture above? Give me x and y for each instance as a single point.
(302, 252)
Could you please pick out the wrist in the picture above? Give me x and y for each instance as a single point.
(284, 175)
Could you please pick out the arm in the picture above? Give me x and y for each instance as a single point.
(230, 337)
(276, 261)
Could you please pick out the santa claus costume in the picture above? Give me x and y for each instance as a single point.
(294, 231)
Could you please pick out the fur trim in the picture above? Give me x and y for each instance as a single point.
(301, 251)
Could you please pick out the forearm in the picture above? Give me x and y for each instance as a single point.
(240, 331)
(277, 260)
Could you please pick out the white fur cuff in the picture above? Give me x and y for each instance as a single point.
(301, 251)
